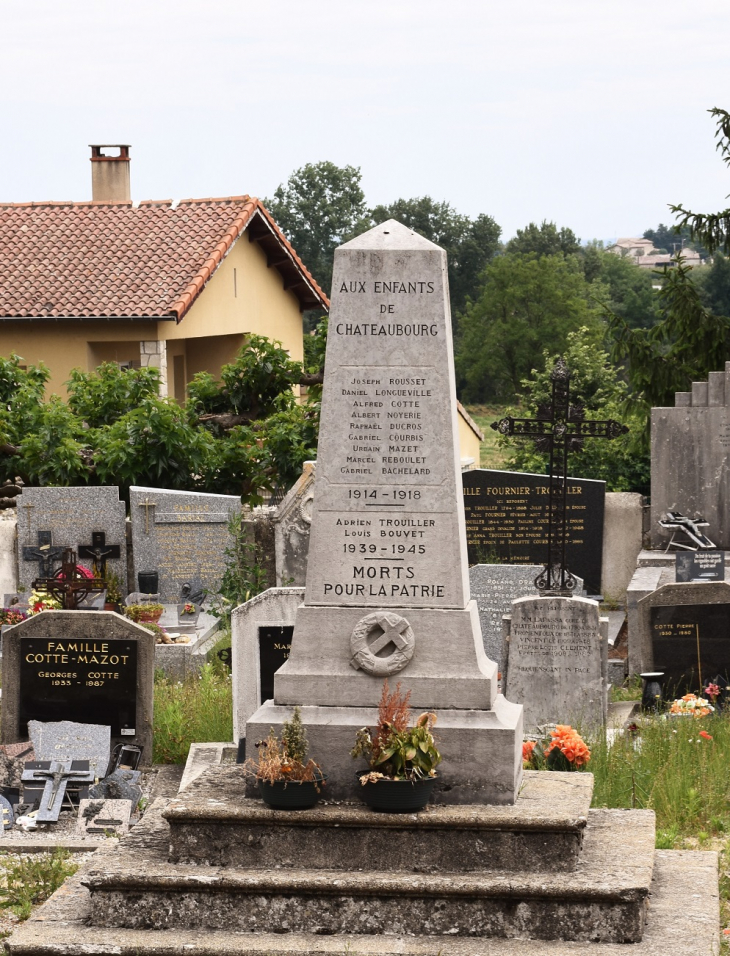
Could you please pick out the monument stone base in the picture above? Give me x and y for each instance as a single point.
(448, 669)
(481, 749)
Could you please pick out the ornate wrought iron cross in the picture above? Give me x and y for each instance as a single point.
(559, 428)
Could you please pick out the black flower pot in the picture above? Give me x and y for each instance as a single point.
(396, 796)
(149, 581)
(292, 794)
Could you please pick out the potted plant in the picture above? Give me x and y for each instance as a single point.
(566, 750)
(287, 779)
(113, 592)
(144, 612)
(402, 759)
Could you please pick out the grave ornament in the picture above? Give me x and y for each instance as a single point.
(559, 428)
(71, 584)
(99, 551)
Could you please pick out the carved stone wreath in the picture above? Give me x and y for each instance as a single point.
(395, 630)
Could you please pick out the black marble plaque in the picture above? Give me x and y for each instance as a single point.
(91, 682)
(274, 647)
(691, 645)
(700, 566)
(507, 519)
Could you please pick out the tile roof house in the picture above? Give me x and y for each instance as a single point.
(177, 285)
(643, 253)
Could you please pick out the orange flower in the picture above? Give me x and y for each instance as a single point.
(703, 733)
(527, 750)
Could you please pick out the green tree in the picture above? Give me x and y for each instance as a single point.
(628, 290)
(544, 240)
(685, 345)
(469, 243)
(595, 384)
(319, 207)
(713, 282)
(712, 229)
(669, 239)
(104, 395)
(527, 304)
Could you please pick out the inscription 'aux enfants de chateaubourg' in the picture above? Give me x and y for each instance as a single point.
(386, 457)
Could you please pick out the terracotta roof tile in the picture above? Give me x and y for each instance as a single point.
(64, 260)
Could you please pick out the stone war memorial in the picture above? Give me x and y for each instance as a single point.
(503, 861)
(387, 588)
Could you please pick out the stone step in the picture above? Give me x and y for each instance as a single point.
(211, 823)
(604, 899)
(684, 906)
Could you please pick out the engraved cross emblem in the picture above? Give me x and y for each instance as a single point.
(147, 504)
(392, 634)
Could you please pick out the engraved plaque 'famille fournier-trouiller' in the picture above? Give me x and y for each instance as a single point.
(387, 590)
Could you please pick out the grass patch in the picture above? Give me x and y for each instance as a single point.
(198, 709)
(30, 880)
(631, 689)
(490, 456)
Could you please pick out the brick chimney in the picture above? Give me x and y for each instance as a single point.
(110, 174)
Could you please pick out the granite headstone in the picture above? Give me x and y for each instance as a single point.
(494, 587)
(387, 588)
(507, 520)
(65, 740)
(684, 632)
(87, 667)
(182, 535)
(68, 518)
(556, 662)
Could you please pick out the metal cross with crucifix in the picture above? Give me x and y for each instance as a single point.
(99, 551)
(559, 428)
(69, 585)
(55, 779)
(45, 553)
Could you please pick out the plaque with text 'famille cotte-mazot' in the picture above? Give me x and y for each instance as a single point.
(84, 681)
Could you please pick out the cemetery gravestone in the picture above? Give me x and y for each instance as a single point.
(387, 590)
(104, 817)
(690, 455)
(685, 633)
(182, 535)
(261, 633)
(64, 741)
(52, 518)
(557, 659)
(494, 587)
(507, 519)
(88, 667)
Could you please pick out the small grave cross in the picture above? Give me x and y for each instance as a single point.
(559, 428)
(147, 504)
(69, 586)
(99, 551)
(55, 779)
(45, 553)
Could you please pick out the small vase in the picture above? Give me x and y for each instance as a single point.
(396, 796)
(292, 794)
(151, 618)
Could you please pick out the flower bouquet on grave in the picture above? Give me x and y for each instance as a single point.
(690, 706)
(402, 759)
(287, 779)
(10, 616)
(187, 613)
(41, 601)
(566, 750)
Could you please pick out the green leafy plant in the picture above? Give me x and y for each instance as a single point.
(31, 880)
(113, 588)
(198, 709)
(243, 577)
(394, 749)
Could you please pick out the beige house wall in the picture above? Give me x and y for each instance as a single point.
(65, 345)
(243, 297)
(468, 442)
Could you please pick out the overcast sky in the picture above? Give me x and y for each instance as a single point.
(590, 114)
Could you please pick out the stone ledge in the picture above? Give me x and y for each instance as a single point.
(684, 906)
(542, 832)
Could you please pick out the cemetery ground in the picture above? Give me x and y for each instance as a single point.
(676, 767)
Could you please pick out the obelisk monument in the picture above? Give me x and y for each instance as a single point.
(387, 591)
